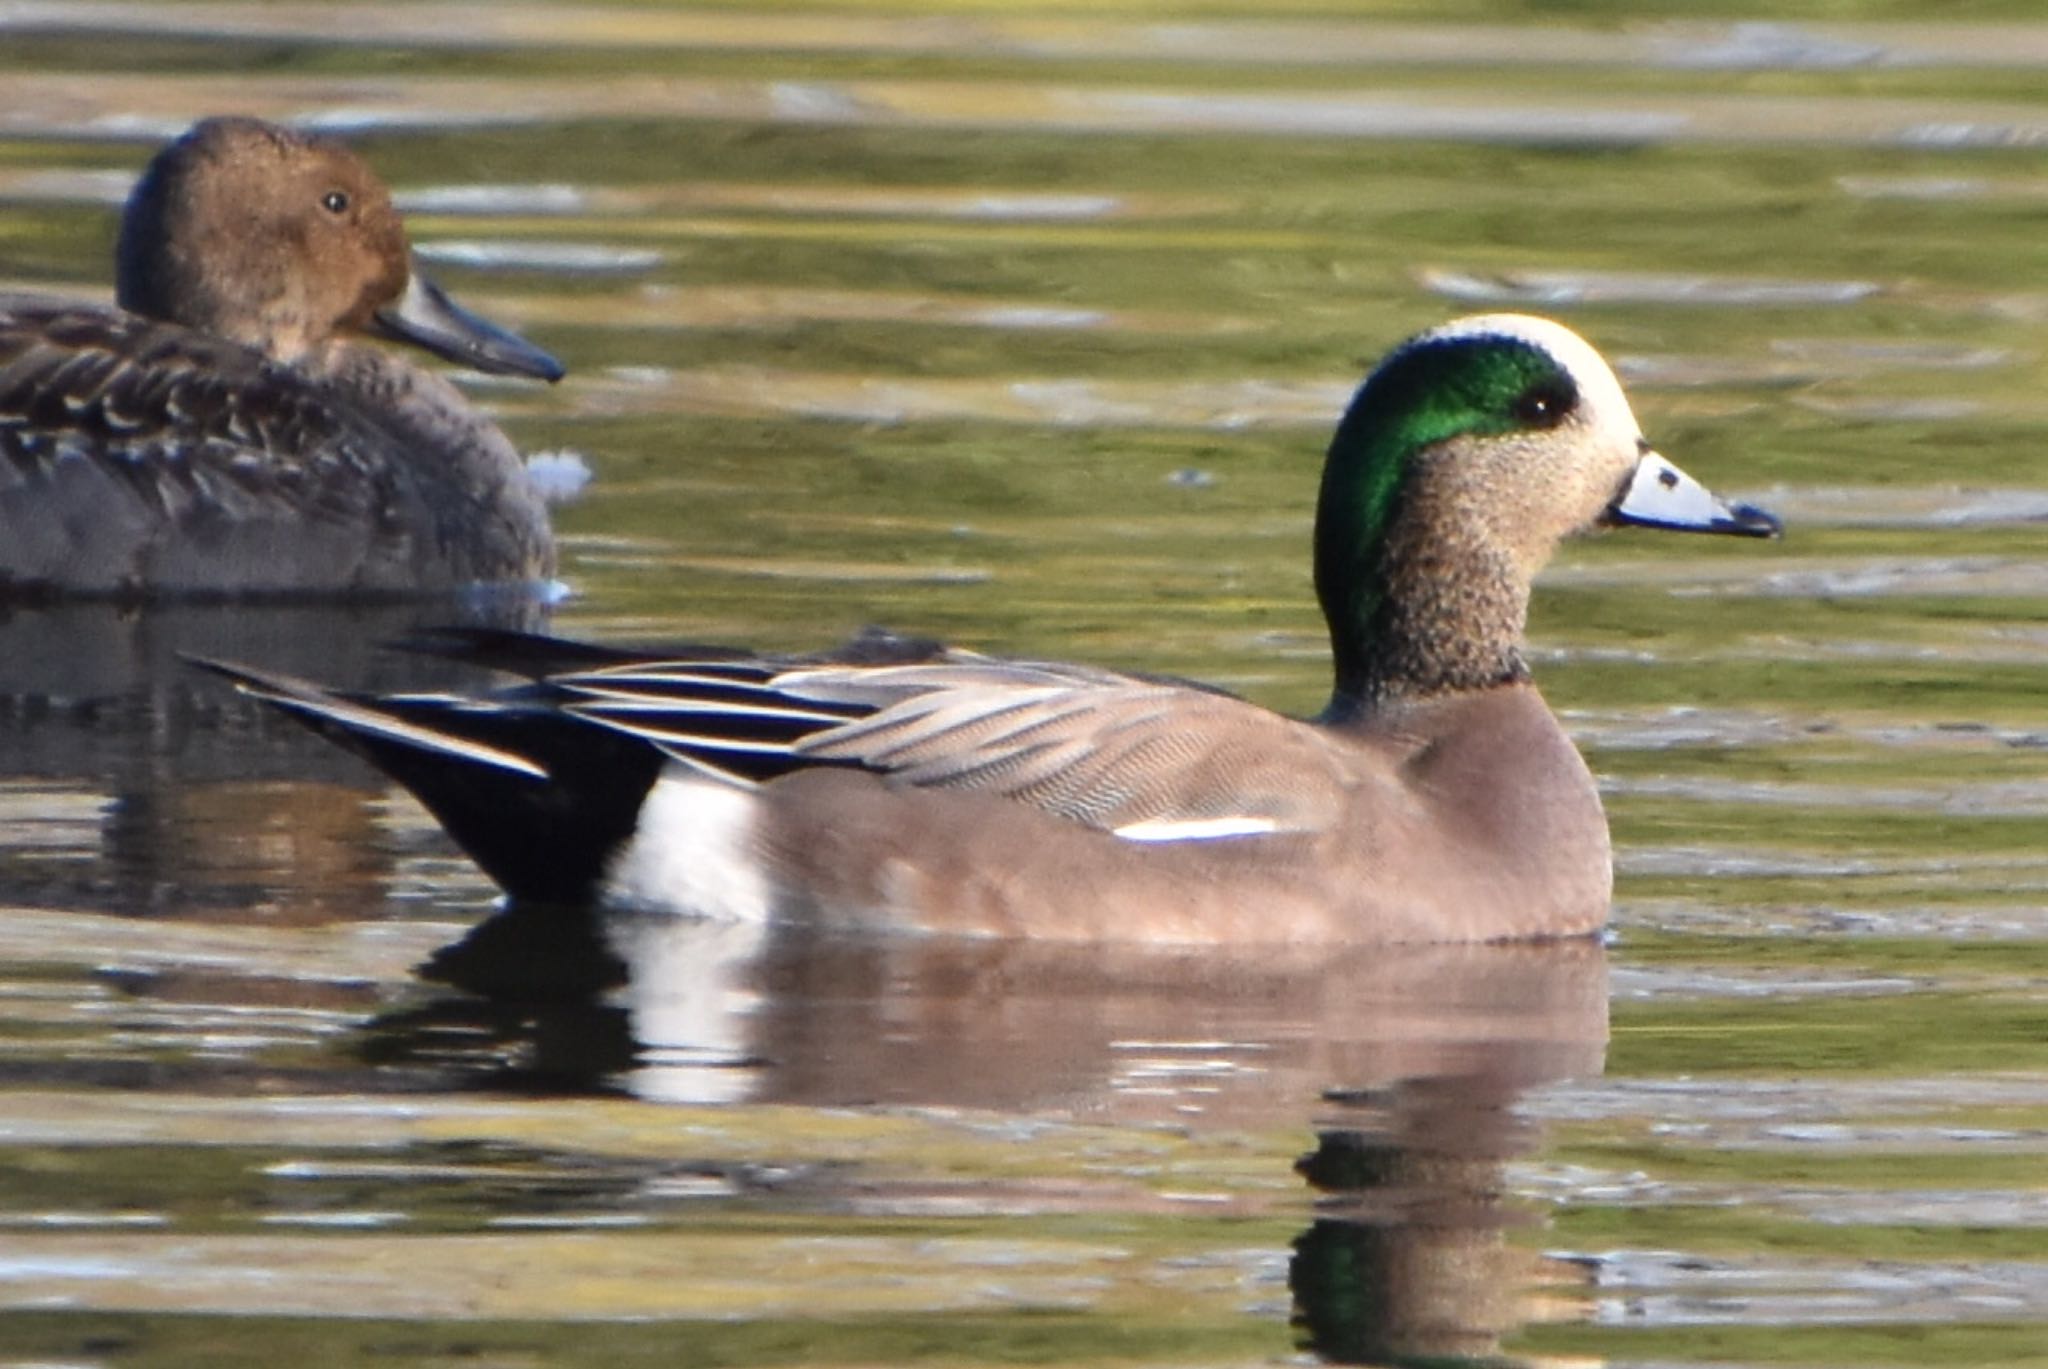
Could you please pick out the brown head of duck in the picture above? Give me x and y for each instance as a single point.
(227, 431)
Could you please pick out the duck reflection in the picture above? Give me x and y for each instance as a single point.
(725, 1012)
(146, 789)
(1409, 1062)
(1408, 1261)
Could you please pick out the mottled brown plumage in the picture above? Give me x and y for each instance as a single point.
(223, 432)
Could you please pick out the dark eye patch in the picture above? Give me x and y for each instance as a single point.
(1545, 404)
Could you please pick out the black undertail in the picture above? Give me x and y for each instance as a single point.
(542, 783)
(542, 840)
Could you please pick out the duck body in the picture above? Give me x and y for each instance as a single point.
(1486, 826)
(224, 433)
(916, 787)
(143, 458)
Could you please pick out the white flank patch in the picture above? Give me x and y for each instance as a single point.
(692, 851)
(1195, 829)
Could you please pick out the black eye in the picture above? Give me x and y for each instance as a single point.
(1543, 405)
(335, 201)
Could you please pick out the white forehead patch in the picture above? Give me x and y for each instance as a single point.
(1599, 391)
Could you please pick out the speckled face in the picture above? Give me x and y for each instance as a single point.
(1463, 460)
(1504, 430)
(1512, 424)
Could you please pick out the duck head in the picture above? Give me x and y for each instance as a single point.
(279, 240)
(1463, 460)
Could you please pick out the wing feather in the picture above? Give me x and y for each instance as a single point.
(1111, 752)
(1147, 759)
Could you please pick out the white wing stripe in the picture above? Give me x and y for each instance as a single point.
(1195, 829)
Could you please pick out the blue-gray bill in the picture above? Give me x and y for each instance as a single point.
(1659, 495)
(426, 317)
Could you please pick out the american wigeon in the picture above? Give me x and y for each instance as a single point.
(222, 432)
(1435, 799)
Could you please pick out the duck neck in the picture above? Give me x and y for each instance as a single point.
(1418, 600)
(465, 472)
(423, 403)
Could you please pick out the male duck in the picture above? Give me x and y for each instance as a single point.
(219, 434)
(1435, 798)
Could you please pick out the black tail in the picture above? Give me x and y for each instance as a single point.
(537, 798)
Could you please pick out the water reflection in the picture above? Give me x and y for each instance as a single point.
(1429, 1050)
(1407, 1261)
(199, 803)
(722, 1012)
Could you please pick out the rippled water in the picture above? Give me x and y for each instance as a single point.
(1025, 326)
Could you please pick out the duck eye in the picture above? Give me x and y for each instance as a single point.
(335, 201)
(1543, 405)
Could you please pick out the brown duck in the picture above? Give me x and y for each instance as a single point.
(223, 432)
(1436, 798)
